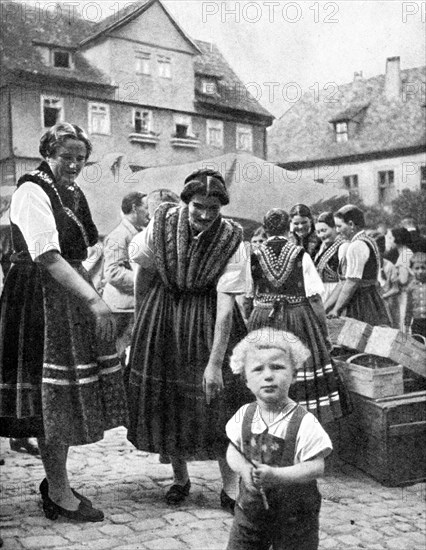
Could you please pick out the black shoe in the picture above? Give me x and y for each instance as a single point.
(177, 493)
(227, 502)
(23, 445)
(44, 491)
(83, 513)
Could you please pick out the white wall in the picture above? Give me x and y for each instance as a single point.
(406, 175)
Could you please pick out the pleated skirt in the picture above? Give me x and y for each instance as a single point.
(318, 387)
(368, 306)
(56, 380)
(170, 350)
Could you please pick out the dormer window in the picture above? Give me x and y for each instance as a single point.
(208, 87)
(347, 122)
(341, 130)
(61, 59)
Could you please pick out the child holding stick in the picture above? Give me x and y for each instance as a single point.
(277, 447)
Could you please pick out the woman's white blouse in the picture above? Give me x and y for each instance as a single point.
(32, 212)
(356, 256)
(232, 280)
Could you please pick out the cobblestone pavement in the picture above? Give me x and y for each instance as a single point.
(128, 485)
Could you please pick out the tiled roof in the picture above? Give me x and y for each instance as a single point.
(305, 132)
(232, 93)
(20, 35)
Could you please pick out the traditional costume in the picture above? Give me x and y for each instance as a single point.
(311, 243)
(361, 261)
(295, 436)
(56, 381)
(327, 263)
(174, 333)
(284, 278)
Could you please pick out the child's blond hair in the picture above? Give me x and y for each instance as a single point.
(269, 338)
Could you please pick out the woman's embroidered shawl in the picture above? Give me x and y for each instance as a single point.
(71, 212)
(187, 264)
(277, 263)
(322, 260)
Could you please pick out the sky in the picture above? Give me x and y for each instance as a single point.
(280, 48)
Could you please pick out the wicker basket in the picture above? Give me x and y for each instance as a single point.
(348, 332)
(372, 376)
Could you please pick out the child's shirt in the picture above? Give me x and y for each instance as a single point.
(416, 301)
(312, 440)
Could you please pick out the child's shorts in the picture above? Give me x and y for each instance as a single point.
(288, 534)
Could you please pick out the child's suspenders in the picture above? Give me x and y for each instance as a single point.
(287, 457)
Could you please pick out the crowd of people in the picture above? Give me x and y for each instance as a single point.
(187, 322)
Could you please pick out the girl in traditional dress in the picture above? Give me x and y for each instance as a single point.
(60, 376)
(287, 291)
(327, 258)
(302, 229)
(358, 294)
(192, 264)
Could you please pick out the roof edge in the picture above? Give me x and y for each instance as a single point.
(129, 17)
(350, 159)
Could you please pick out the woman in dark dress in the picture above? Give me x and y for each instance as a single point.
(302, 229)
(287, 292)
(327, 258)
(192, 264)
(357, 295)
(61, 380)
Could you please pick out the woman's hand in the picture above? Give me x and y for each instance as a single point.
(105, 322)
(333, 314)
(212, 382)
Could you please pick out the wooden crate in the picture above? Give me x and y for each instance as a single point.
(371, 376)
(386, 438)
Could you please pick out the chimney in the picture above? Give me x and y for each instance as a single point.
(393, 78)
(357, 75)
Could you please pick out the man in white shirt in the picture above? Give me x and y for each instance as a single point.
(118, 291)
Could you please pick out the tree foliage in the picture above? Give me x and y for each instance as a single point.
(407, 204)
(410, 204)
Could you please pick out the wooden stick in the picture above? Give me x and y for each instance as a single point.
(261, 489)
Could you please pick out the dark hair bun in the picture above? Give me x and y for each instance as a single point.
(276, 222)
(205, 182)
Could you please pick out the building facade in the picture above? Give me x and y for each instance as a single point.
(135, 81)
(368, 136)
